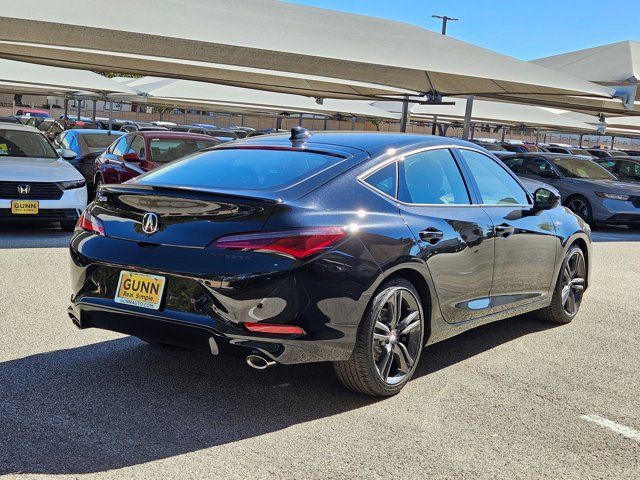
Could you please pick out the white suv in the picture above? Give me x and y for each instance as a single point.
(36, 183)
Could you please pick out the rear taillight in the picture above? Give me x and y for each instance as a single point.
(90, 223)
(273, 328)
(298, 244)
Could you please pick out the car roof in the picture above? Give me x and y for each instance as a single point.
(94, 131)
(375, 143)
(171, 134)
(19, 126)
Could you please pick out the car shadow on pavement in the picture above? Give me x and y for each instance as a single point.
(614, 234)
(33, 236)
(119, 403)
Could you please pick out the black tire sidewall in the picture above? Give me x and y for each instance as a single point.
(365, 335)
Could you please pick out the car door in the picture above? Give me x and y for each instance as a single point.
(110, 163)
(455, 237)
(525, 239)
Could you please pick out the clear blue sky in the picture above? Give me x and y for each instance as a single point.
(525, 29)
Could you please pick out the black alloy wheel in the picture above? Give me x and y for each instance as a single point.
(581, 207)
(569, 290)
(389, 342)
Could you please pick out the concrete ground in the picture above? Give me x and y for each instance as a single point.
(515, 399)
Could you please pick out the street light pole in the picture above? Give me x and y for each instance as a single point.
(444, 19)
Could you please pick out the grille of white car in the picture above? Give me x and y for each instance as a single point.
(30, 190)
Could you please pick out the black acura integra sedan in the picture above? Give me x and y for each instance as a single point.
(354, 248)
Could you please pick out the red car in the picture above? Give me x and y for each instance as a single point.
(139, 152)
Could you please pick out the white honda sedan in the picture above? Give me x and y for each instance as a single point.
(36, 181)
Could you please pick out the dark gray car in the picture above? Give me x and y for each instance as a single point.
(626, 169)
(587, 189)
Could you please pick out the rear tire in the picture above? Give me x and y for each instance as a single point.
(96, 186)
(388, 343)
(569, 289)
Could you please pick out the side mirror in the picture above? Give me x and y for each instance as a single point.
(67, 154)
(544, 199)
(548, 174)
(131, 157)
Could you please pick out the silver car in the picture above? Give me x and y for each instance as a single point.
(587, 189)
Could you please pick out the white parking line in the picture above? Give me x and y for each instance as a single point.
(620, 429)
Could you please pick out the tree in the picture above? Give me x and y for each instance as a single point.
(162, 110)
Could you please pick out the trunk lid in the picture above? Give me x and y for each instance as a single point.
(185, 218)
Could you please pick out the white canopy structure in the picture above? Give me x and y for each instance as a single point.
(497, 113)
(29, 78)
(271, 45)
(612, 64)
(163, 91)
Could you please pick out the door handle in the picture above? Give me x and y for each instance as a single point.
(431, 235)
(504, 230)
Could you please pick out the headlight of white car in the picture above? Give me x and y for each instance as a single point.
(613, 196)
(72, 184)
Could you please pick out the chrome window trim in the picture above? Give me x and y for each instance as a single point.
(363, 176)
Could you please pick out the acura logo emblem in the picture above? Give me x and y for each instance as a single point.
(24, 189)
(150, 223)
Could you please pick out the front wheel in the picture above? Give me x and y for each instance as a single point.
(581, 207)
(388, 343)
(567, 295)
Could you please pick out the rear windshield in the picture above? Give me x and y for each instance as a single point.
(241, 169)
(99, 140)
(20, 143)
(579, 168)
(165, 150)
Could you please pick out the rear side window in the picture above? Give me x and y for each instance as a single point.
(165, 150)
(496, 186)
(98, 140)
(384, 179)
(431, 177)
(242, 169)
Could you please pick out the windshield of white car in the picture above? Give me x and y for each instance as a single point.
(581, 168)
(21, 143)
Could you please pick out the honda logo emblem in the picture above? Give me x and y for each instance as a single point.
(24, 189)
(150, 223)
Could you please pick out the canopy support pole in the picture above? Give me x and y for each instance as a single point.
(278, 122)
(326, 123)
(404, 119)
(79, 109)
(581, 137)
(434, 126)
(110, 115)
(467, 118)
(66, 108)
(613, 140)
(537, 136)
(300, 120)
(353, 123)
(93, 114)
(504, 132)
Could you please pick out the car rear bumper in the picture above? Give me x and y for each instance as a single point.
(200, 304)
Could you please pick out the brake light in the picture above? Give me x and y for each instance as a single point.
(90, 223)
(274, 328)
(297, 244)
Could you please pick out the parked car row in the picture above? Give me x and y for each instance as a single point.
(587, 188)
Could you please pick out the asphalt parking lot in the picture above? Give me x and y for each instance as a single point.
(514, 399)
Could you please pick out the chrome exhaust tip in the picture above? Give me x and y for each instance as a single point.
(259, 362)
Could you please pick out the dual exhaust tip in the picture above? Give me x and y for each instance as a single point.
(259, 362)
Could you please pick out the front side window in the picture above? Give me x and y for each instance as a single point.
(608, 164)
(431, 177)
(28, 144)
(515, 164)
(496, 185)
(137, 147)
(384, 179)
(537, 166)
(120, 146)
